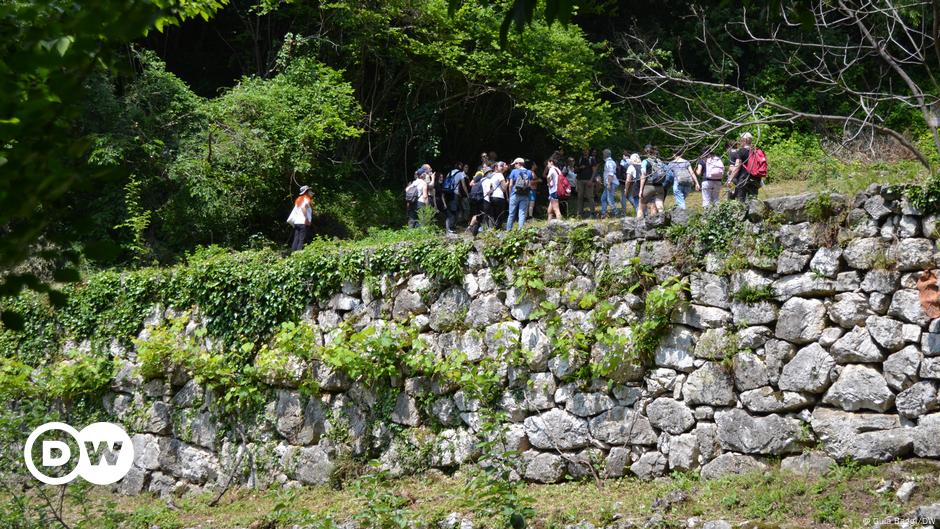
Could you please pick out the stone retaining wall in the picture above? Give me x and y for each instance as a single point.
(842, 363)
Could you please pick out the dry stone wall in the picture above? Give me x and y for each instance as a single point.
(839, 360)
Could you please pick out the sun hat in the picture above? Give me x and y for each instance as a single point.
(519, 161)
(304, 189)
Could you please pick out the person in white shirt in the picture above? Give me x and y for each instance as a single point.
(494, 193)
(610, 184)
(553, 173)
(301, 217)
(416, 195)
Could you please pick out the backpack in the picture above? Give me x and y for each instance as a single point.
(682, 172)
(476, 192)
(756, 164)
(450, 183)
(714, 168)
(563, 187)
(523, 178)
(659, 172)
(412, 193)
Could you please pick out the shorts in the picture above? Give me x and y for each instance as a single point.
(532, 195)
(652, 193)
(553, 196)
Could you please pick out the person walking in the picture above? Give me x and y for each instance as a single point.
(652, 180)
(609, 182)
(743, 183)
(585, 183)
(711, 172)
(494, 194)
(450, 197)
(416, 196)
(684, 180)
(300, 218)
(533, 186)
(631, 188)
(519, 185)
(553, 175)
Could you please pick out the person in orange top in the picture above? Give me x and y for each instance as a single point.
(300, 217)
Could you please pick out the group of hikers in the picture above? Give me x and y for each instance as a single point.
(498, 194)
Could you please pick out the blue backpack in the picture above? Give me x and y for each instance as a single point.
(450, 183)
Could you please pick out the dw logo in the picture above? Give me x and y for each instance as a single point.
(105, 453)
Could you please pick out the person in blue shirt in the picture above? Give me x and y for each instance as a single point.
(520, 179)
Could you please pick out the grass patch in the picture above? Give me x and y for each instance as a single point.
(842, 498)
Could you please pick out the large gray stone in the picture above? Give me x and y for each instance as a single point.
(715, 344)
(741, 432)
(927, 436)
(650, 465)
(756, 313)
(711, 385)
(486, 310)
(408, 303)
(905, 304)
(886, 332)
(768, 400)
(797, 237)
(776, 355)
(915, 254)
(812, 464)
(709, 289)
(450, 309)
(864, 437)
(801, 320)
(406, 410)
(701, 317)
(789, 262)
(749, 371)
(930, 368)
(683, 452)
(557, 430)
(194, 464)
(917, 400)
(850, 309)
(856, 346)
(882, 281)
(753, 337)
(808, 371)
(860, 387)
(900, 369)
(312, 465)
(675, 349)
(806, 285)
(826, 261)
(543, 467)
(620, 426)
(589, 404)
(299, 422)
(863, 254)
(731, 464)
(539, 391)
(670, 415)
(537, 346)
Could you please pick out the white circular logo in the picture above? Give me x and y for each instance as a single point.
(105, 453)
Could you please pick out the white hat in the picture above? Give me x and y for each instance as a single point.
(519, 161)
(304, 189)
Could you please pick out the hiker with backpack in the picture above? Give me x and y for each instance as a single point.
(748, 168)
(301, 217)
(416, 195)
(631, 186)
(533, 186)
(653, 177)
(520, 180)
(610, 183)
(585, 182)
(683, 180)
(558, 188)
(449, 188)
(711, 172)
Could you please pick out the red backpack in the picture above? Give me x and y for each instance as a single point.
(564, 186)
(756, 164)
